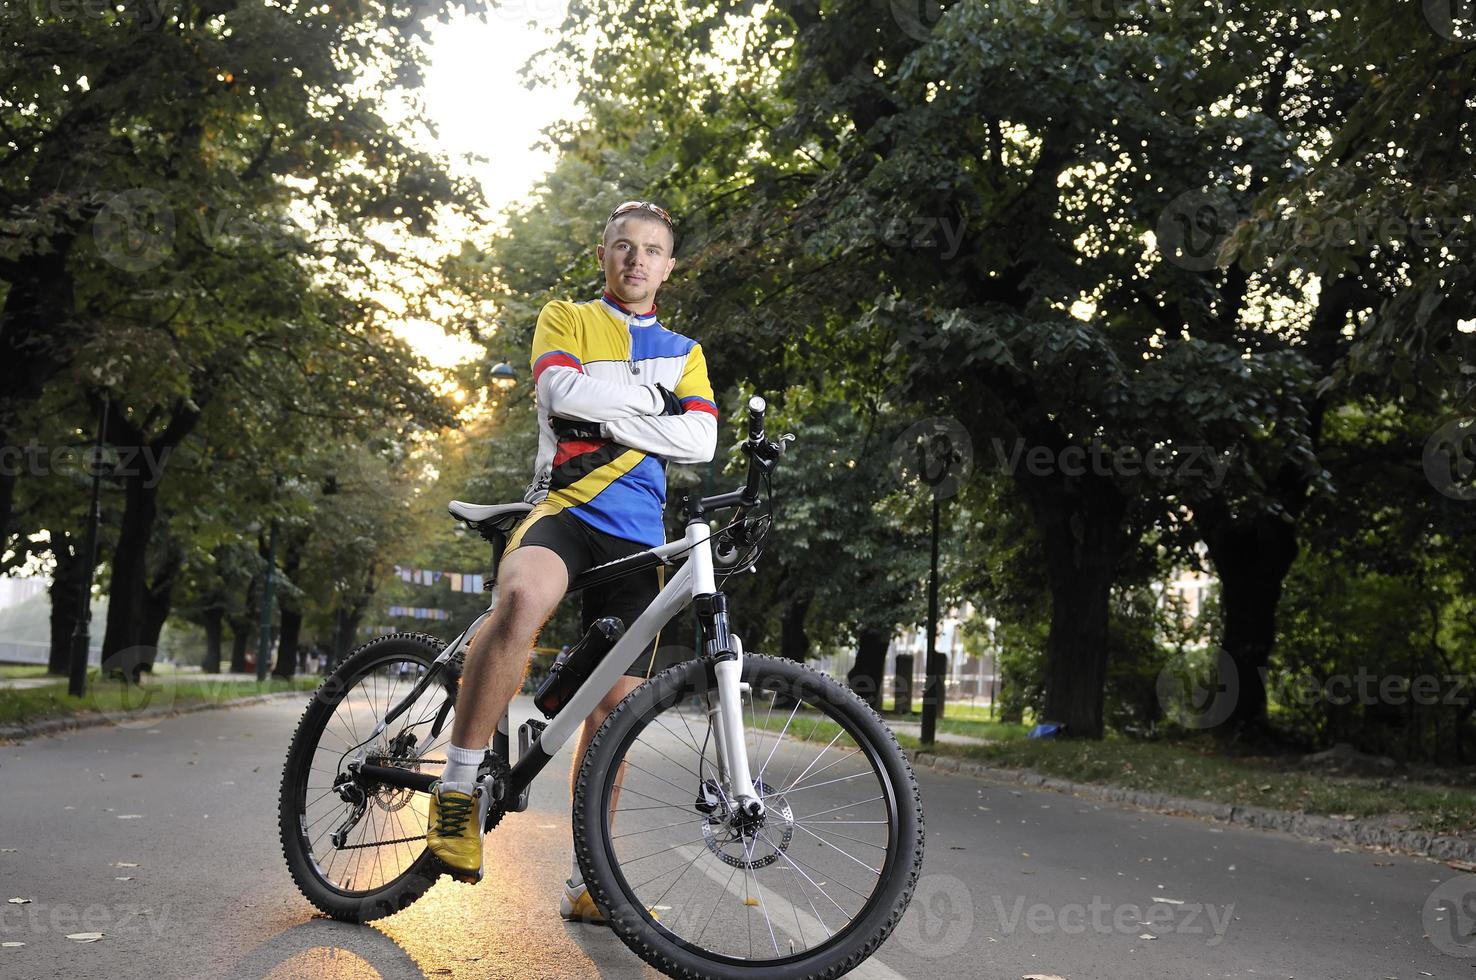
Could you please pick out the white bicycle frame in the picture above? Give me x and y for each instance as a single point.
(695, 578)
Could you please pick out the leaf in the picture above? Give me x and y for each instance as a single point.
(85, 937)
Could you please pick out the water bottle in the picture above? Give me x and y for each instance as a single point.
(572, 669)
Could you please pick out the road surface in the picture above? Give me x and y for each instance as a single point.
(164, 840)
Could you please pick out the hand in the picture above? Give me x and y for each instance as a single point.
(673, 404)
(565, 429)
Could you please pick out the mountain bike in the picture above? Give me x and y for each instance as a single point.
(736, 816)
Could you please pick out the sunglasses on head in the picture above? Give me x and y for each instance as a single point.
(630, 206)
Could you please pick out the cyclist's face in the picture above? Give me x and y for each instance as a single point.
(636, 256)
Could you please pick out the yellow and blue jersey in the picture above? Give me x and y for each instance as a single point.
(599, 362)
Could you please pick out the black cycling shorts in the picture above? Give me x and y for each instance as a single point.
(582, 547)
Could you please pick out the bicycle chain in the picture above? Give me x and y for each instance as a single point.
(382, 843)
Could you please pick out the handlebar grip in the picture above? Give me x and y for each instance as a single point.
(756, 407)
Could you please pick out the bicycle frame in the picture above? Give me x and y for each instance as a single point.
(693, 581)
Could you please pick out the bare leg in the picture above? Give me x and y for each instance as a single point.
(530, 584)
(592, 724)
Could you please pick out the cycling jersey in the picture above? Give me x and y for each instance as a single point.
(599, 362)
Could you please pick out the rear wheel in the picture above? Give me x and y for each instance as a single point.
(358, 855)
(811, 889)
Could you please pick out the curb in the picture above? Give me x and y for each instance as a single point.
(52, 726)
(1362, 833)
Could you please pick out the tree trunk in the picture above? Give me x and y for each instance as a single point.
(158, 598)
(36, 334)
(66, 602)
(214, 621)
(1251, 559)
(122, 643)
(291, 628)
(287, 643)
(1081, 527)
(794, 642)
(343, 636)
(240, 636)
(865, 677)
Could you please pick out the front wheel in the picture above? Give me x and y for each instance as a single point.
(696, 889)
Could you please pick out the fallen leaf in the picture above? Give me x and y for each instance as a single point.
(85, 937)
(1147, 935)
(7, 850)
(124, 864)
(123, 878)
(11, 945)
(130, 816)
(20, 901)
(1461, 865)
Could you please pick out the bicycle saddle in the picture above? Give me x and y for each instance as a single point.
(485, 513)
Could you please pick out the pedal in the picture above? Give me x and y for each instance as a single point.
(528, 732)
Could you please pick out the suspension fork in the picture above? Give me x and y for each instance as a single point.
(727, 717)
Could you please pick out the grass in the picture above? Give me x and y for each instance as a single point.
(1190, 768)
(114, 698)
(13, 671)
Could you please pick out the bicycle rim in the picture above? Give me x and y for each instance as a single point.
(389, 839)
(793, 888)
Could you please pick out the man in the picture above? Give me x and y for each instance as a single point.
(619, 396)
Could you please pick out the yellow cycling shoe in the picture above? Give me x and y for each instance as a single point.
(454, 831)
(577, 906)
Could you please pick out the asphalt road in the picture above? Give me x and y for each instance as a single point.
(164, 840)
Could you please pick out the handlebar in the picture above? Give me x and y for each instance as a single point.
(762, 455)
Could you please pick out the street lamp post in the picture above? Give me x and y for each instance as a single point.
(82, 634)
(933, 690)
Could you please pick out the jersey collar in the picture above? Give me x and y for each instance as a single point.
(621, 310)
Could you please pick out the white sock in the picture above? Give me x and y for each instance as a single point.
(576, 877)
(460, 773)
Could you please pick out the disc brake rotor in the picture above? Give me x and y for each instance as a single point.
(737, 849)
